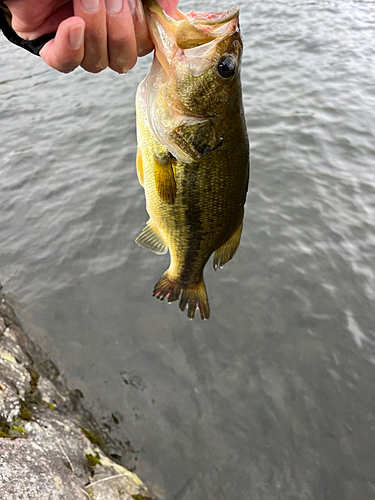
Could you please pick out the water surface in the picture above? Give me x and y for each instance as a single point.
(273, 397)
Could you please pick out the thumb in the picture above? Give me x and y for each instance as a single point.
(65, 52)
(169, 6)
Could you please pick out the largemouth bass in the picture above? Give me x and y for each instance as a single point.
(193, 150)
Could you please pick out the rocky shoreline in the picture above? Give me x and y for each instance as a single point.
(51, 448)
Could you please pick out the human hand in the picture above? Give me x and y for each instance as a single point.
(94, 34)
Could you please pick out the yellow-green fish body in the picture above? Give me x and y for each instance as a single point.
(193, 153)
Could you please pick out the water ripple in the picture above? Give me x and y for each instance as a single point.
(273, 397)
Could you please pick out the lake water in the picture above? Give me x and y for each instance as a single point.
(273, 397)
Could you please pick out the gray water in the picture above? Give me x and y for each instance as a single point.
(273, 397)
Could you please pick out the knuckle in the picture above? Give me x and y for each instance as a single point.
(122, 54)
(94, 66)
(67, 70)
(119, 39)
(61, 66)
(93, 69)
(122, 64)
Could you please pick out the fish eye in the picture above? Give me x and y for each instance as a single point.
(226, 67)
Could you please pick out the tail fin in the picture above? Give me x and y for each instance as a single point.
(193, 296)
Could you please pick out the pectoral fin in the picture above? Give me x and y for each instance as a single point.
(151, 239)
(139, 165)
(196, 139)
(164, 178)
(226, 252)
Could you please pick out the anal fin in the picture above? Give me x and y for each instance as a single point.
(164, 178)
(151, 239)
(226, 252)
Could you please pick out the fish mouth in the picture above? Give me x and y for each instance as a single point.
(213, 18)
(204, 18)
(180, 31)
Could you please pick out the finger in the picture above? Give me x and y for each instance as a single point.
(27, 16)
(94, 14)
(65, 52)
(144, 42)
(29, 25)
(169, 6)
(121, 41)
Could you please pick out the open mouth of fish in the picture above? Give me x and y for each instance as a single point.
(186, 31)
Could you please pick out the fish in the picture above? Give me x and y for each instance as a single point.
(192, 148)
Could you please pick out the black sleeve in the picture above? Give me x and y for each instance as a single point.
(33, 46)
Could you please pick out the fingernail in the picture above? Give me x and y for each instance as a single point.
(90, 5)
(76, 34)
(113, 6)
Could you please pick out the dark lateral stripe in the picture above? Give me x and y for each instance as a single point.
(193, 214)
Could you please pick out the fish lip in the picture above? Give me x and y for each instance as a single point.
(155, 13)
(219, 17)
(153, 10)
(195, 17)
(162, 30)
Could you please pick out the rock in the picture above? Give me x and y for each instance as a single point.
(28, 471)
(51, 448)
(10, 405)
(2, 325)
(7, 312)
